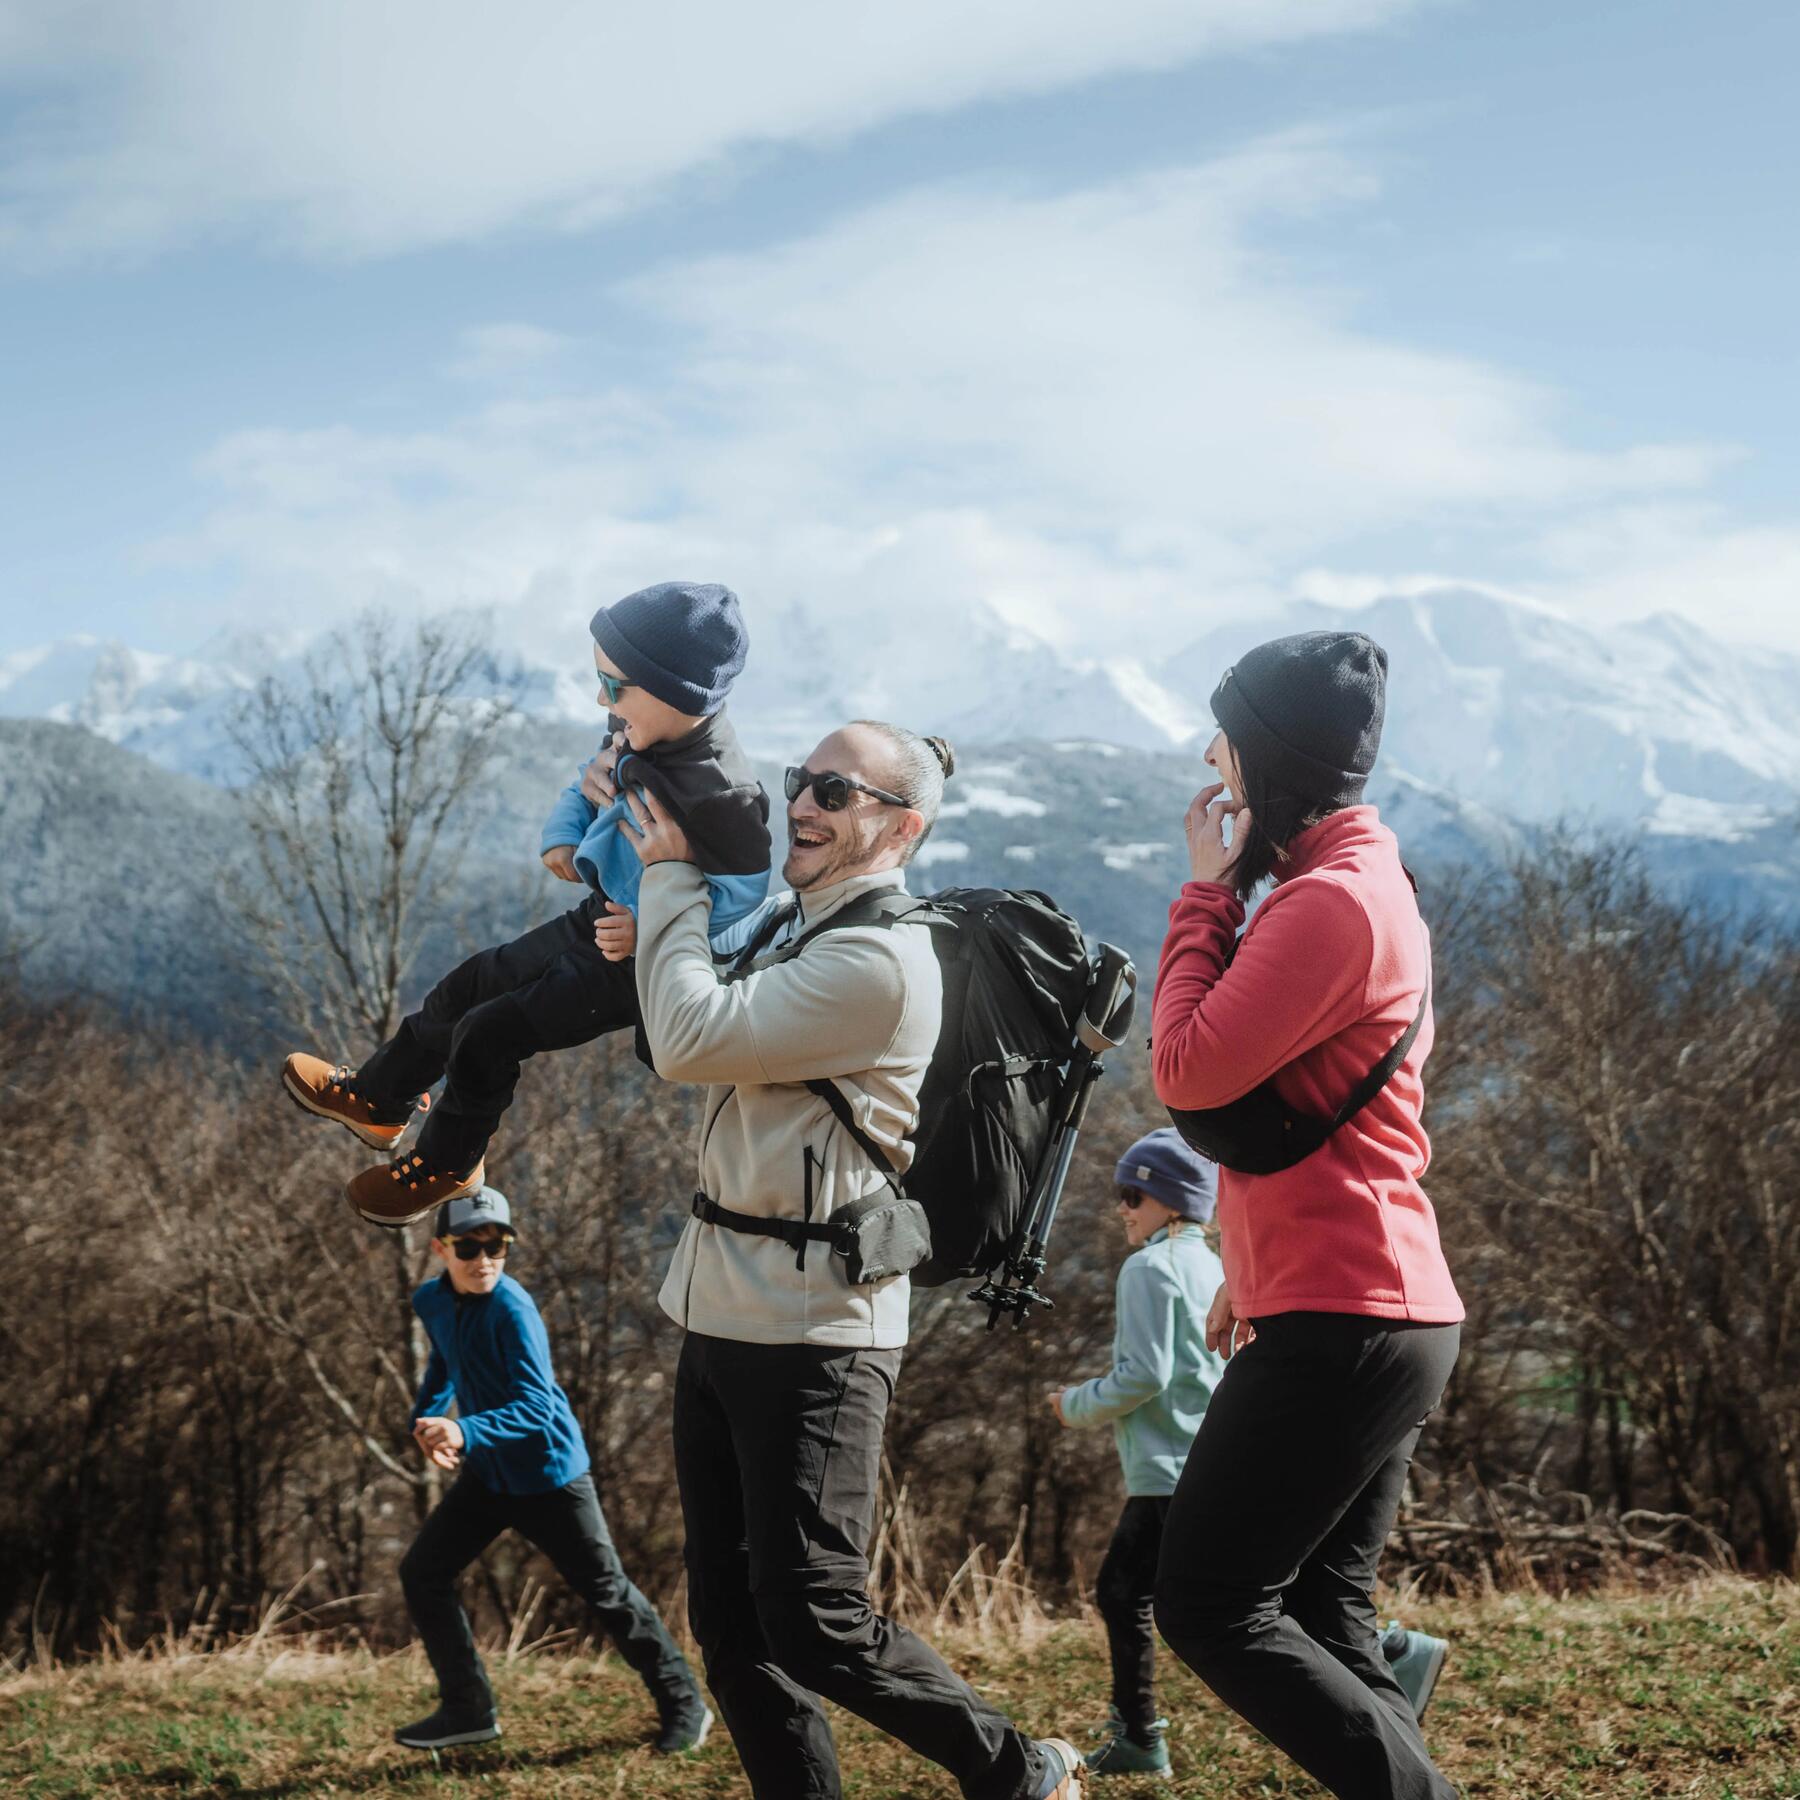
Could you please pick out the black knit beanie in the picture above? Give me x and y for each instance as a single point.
(683, 641)
(1307, 711)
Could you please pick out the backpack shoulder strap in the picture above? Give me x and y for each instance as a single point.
(887, 906)
(833, 1096)
(1385, 1070)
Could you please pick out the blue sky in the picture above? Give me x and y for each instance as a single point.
(1119, 320)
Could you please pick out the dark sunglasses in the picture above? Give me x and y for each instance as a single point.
(468, 1248)
(832, 790)
(612, 686)
(1130, 1198)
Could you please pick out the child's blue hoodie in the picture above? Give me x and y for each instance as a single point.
(1163, 1375)
(491, 1354)
(706, 784)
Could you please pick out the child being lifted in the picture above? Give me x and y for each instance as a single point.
(666, 658)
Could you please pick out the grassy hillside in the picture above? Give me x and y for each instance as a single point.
(1695, 1692)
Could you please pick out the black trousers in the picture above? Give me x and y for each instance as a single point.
(1276, 1528)
(569, 1527)
(778, 1458)
(548, 990)
(1125, 1593)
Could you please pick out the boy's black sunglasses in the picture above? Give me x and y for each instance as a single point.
(832, 790)
(468, 1248)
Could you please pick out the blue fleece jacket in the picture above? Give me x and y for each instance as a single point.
(707, 785)
(491, 1355)
(1163, 1375)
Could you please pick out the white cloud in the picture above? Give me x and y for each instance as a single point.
(506, 353)
(362, 127)
(1740, 581)
(1102, 413)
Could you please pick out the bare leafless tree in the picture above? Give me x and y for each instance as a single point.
(360, 766)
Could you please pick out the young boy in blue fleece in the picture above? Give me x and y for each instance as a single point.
(521, 1464)
(665, 659)
(1154, 1396)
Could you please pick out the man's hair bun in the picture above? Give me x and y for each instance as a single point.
(945, 755)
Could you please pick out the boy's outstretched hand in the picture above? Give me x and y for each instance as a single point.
(441, 1440)
(559, 859)
(615, 936)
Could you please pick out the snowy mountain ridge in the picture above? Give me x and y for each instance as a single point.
(1496, 703)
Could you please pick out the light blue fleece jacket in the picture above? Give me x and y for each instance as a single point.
(1163, 1375)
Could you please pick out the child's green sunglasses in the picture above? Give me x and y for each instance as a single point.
(612, 686)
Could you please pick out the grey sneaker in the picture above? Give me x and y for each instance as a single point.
(1124, 1754)
(1063, 1771)
(445, 1729)
(684, 1728)
(1417, 1666)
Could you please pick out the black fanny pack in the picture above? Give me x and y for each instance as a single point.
(877, 1236)
(1259, 1133)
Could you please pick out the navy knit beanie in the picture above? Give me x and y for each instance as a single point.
(683, 641)
(1167, 1168)
(1306, 711)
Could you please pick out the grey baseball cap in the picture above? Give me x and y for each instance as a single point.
(486, 1206)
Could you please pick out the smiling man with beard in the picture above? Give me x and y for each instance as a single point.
(788, 1368)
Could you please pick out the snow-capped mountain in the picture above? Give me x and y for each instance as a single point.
(1499, 708)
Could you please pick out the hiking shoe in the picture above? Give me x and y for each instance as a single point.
(330, 1092)
(1125, 1754)
(684, 1727)
(396, 1193)
(1417, 1667)
(445, 1729)
(1063, 1777)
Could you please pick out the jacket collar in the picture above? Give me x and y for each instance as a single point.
(821, 903)
(1348, 826)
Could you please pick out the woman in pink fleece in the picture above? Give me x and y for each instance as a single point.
(1338, 1312)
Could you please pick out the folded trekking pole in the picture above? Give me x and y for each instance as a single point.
(1104, 1021)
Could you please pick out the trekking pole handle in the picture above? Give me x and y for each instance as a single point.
(1112, 998)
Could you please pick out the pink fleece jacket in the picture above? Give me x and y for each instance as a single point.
(1328, 976)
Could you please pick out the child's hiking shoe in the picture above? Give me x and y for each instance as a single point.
(1063, 1772)
(1416, 1664)
(330, 1091)
(683, 1726)
(444, 1730)
(1124, 1753)
(395, 1193)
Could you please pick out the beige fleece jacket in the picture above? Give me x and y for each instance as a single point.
(860, 1006)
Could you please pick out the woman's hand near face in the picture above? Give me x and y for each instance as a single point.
(1209, 856)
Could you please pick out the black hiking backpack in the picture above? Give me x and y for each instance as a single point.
(1016, 972)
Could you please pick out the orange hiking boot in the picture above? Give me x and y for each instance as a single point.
(330, 1092)
(396, 1193)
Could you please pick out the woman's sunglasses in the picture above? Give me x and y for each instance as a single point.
(468, 1248)
(612, 686)
(832, 790)
(1130, 1198)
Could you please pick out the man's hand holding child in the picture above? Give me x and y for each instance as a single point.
(657, 837)
(441, 1440)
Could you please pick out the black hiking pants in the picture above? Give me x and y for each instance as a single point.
(1274, 1533)
(1125, 1592)
(548, 990)
(778, 1459)
(569, 1527)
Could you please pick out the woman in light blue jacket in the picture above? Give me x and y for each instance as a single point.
(1154, 1396)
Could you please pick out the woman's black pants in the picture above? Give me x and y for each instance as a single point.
(1274, 1533)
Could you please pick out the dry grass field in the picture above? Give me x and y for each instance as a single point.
(1694, 1691)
